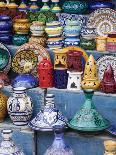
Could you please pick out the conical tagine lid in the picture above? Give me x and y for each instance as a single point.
(88, 118)
(48, 117)
(90, 78)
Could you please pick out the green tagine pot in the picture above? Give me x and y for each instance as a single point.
(75, 7)
(88, 118)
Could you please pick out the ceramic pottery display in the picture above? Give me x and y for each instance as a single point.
(48, 117)
(111, 44)
(75, 7)
(103, 20)
(45, 74)
(108, 84)
(20, 39)
(102, 64)
(55, 43)
(90, 78)
(3, 103)
(110, 147)
(5, 58)
(37, 28)
(87, 31)
(101, 44)
(60, 78)
(59, 147)
(20, 107)
(74, 80)
(71, 41)
(24, 61)
(100, 4)
(38, 40)
(25, 80)
(12, 5)
(23, 6)
(45, 6)
(33, 7)
(88, 43)
(7, 145)
(88, 119)
(74, 61)
(21, 26)
(60, 59)
(56, 8)
(4, 77)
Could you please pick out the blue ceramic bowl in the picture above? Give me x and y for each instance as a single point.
(72, 41)
(6, 38)
(72, 30)
(5, 23)
(25, 80)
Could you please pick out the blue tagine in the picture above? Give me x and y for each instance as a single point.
(59, 146)
(48, 117)
(25, 80)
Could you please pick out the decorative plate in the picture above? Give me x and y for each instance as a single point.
(104, 20)
(103, 62)
(39, 50)
(24, 61)
(5, 58)
(112, 130)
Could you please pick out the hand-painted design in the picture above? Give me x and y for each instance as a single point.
(103, 62)
(24, 61)
(103, 20)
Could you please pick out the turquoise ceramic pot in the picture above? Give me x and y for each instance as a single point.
(72, 30)
(75, 7)
(19, 39)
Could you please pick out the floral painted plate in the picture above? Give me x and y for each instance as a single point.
(24, 61)
(104, 20)
(5, 58)
(103, 62)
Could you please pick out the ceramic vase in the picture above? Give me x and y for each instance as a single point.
(20, 107)
(20, 39)
(33, 7)
(25, 80)
(59, 146)
(7, 145)
(74, 80)
(45, 6)
(48, 116)
(88, 119)
(110, 147)
(90, 78)
(108, 84)
(23, 6)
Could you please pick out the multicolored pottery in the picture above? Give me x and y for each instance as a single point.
(55, 31)
(23, 6)
(110, 147)
(101, 44)
(6, 38)
(59, 147)
(71, 41)
(20, 107)
(72, 31)
(45, 7)
(4, 77)
(20, 39)
(48, 117)
(55, 43)
(108, 84)
(33, 7)
(88, 119)
(12, 5)
(5, 24)
(75, 7)
(111, 44)
(40, 40)
(25, 80)
(7, 146)
(55, 8)
(90, 78)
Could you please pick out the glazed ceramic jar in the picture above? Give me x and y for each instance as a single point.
(75, 7)
(21, 26)
(20, 39)
(110, 147)
(111, 44)
(87, 42)
(101, 44)
(7, 146)
(37, 39)
(20, 106)
(55, 43)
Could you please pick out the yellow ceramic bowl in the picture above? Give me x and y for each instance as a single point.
(52, 31)
(110, 145)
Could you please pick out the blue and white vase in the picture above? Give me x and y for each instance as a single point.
(59, 147)
(48, 116)
(20, 107)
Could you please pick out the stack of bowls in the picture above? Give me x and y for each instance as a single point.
(54, 31)
(38, 33)
(72, 33)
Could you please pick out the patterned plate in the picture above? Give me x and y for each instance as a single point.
(104, 20)
(39, 50)
(24, 61)
(5, 58)
(103, 62)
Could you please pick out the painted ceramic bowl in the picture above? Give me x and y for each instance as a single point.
(88, 31)
(12, 5)
(56, 31)
(20, 39)
(6, 38)
(5, 23)
(53, 23)
(25, 80)
(72, 41)
(100, 4)
(37, 27)
(38, 33)
(72, 22)
(75, 7)
(72, 30)
(55, 43)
